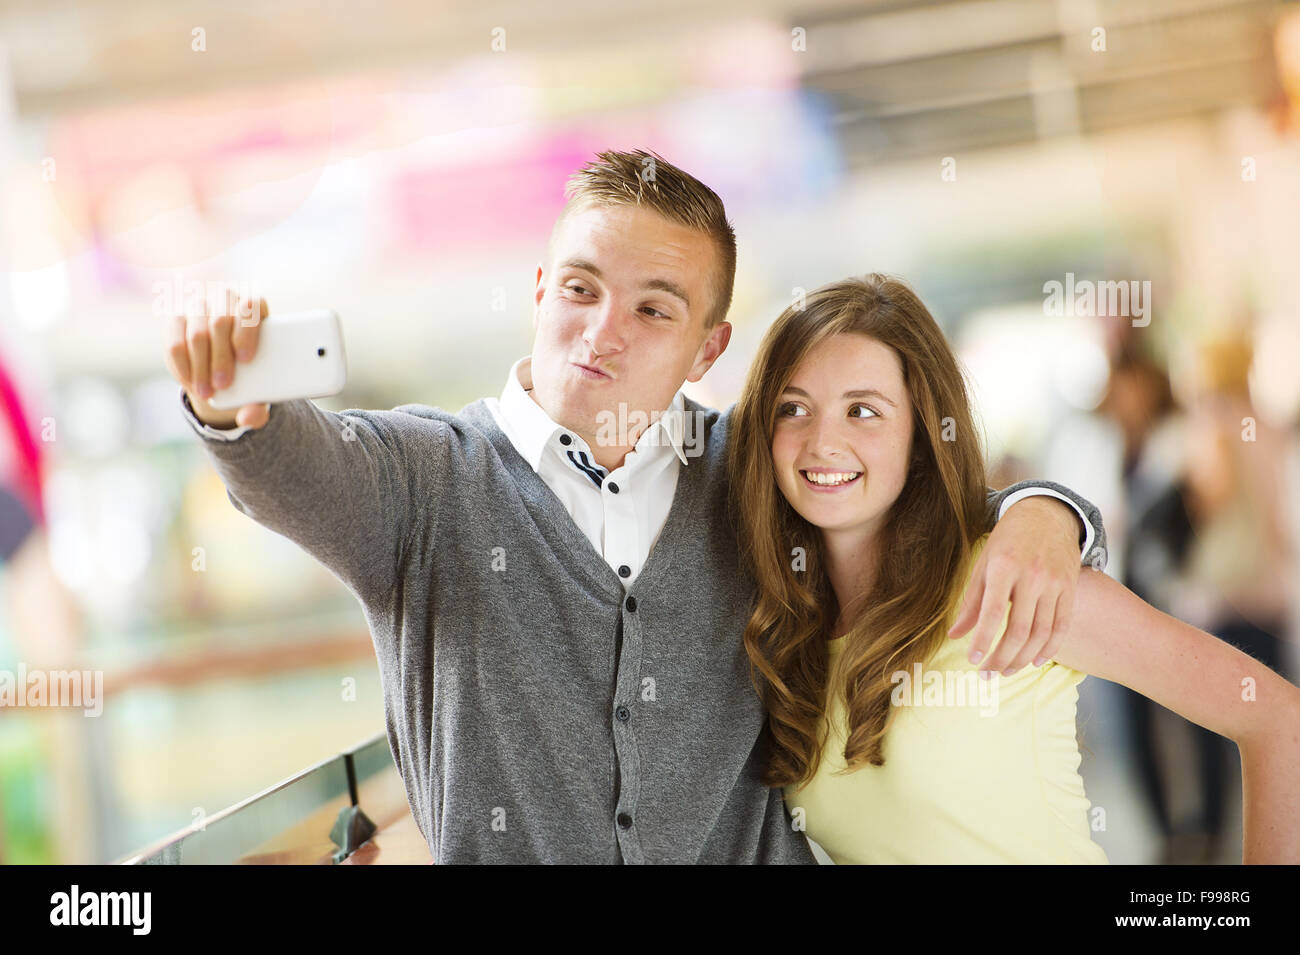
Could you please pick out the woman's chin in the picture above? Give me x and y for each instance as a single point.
(823, 518)
(827, 516)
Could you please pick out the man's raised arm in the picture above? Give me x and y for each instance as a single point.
(334, 483)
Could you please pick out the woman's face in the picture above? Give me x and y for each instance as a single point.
(843, 434)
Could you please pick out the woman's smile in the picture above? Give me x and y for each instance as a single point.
(824, 481)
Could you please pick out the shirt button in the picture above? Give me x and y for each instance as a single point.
(625, 571)
(613, 488)
(631, 604)
(565, 439)
(624, 821)
(623, 714)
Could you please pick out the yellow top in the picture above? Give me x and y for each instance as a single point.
(972, 774)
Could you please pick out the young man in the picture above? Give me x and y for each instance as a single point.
(556, 606)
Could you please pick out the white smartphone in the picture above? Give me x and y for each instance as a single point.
(299, 355)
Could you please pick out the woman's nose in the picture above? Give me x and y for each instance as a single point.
(826, 439)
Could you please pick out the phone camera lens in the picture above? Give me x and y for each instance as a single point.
(320, 352)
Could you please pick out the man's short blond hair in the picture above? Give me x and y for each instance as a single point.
(640, 178)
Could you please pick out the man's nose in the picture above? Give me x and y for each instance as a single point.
(604, 334)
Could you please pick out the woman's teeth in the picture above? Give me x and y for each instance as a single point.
(832, 479)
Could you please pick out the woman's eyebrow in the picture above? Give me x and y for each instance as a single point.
(858, 393)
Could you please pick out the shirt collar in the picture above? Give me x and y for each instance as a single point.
(673, 424)
(532, 426)
(535, 430)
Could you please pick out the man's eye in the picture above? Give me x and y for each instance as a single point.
(655, 312)
(790, 410)
(575, 287)
(874, 413)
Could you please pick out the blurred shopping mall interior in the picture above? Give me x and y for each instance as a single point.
(402, 164)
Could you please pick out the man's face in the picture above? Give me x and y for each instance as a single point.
(627, 294)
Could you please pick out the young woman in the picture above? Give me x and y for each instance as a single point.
(860, 491)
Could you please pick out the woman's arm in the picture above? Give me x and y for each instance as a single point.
(1118, 637)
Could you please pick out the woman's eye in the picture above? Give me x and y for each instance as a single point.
(873, 412)
(790, 410)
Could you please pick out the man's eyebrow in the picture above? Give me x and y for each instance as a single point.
(661, 285)
(858, 393)
(581, 264)
(672, 288)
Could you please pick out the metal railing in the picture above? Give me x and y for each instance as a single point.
(318, 816)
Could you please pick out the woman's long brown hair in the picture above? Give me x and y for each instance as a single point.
(925, 544)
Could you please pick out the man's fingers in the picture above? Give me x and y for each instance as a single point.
(993, 604)
(197, 340)
(178, 352)
(969, 607)
(248, 325)
(1060, 627)
(1023, 604)
(223, 351)
(1040, 633)
(253, 416)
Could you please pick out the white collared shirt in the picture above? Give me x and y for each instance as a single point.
(621, 511)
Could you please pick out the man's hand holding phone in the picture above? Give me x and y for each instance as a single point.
(203, 350)
(299, 355)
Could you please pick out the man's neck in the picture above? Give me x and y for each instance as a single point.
(608, 457)
(611, 459)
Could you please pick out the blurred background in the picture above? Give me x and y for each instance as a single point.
(402, 163)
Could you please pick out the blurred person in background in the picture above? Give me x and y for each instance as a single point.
(1208, 547)
(1139, 402)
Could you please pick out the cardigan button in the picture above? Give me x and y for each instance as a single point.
(625, 571)
(623, 714)
(624, 821)
(631, 604)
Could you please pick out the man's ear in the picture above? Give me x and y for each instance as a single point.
(537, 294)
(710, 350)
